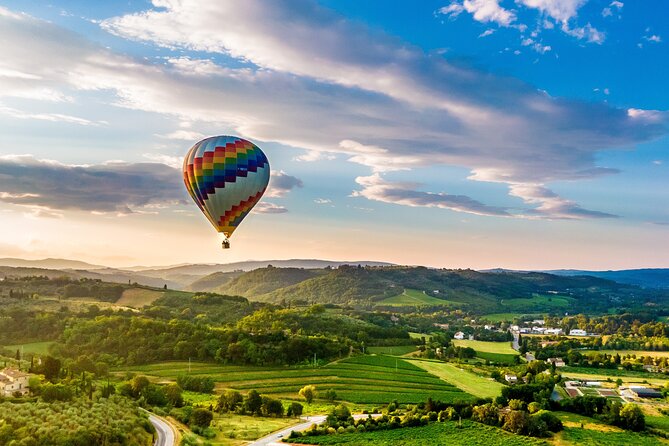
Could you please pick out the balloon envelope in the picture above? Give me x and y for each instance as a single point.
(226, 176)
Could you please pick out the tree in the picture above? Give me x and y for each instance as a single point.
(632, 418)
(486, 414)
(138, 384)
(330, 395)
(516, 404)
(253, 402)
(229, 401)
(271, 407)
(51, 368)
(294, 410)
(174, 396)
(308, 393)
(201, 418)
(516, 421)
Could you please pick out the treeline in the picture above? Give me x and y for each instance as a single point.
(79, 422)
(140, 340)
(26, 287)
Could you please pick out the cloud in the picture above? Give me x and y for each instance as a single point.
(657, 162)
(587, 32)
(452, 11)
(374, 187)
(550, 205)
(559, 10)
(184, 135)
(172, 161)
(653, 38)
(322, 201)
(53, 117)
(316, 81)
(269, 208)
(46, 185)
(281, 183)
(486, 11)
(487, 32)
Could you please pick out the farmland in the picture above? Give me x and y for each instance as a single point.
(654, 354)
(537, 303)
(360, 380)
(414, 298)
(597, 433)
(502, 317)
(395, 350)
(37, 348)
(139, 297)
(491, 351)
(463, 379)
(470, 434)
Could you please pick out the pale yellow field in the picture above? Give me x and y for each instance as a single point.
(138, 297)
(462, 379)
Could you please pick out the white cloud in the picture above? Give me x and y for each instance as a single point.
(280, 183)
(374, 187)
(587, 32)
(172, 161)
(322, 201)
(269, 208)
(487, 32)
(52, 117)
(332, 86)
(486, 11)
(559, 10)
(184, 135)
(452, 11)
(550, 205)
(653, 38)
(657, 162)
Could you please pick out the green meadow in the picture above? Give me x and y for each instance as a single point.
(414, 298)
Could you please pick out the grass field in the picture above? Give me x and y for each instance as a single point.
(462, 379)
(603, 374)
(396, 350)
(232, 429)
(414, 298)
(503, 317)
(361, 379)
(139, 297)
(470, 434)
(37, 348)
(537, 302)
(491, 351)
(596, 433)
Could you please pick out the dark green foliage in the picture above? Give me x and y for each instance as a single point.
(252, 403)
(113, 420)
(56, 392)
(201, 384)
(200, 417)
(229, 401)
(271, 407)
(294, 410)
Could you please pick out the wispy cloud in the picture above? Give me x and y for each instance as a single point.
(281, 183)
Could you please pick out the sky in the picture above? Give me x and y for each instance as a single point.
(525, 134)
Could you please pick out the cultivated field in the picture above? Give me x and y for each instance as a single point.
(37, 348)
(536, 302)
(470, 434)
(491, 351)
(413, 298)
(395, 350)
(462, 379)
(630, 352)
(596, 433)
(502, 317)
(361, 379)
(139, 297)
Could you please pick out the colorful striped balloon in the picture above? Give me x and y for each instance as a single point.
(226, 176)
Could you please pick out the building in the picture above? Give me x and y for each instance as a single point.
(637, 392)
(538, 322)
(557, 362)
(511, 379)
(459, 335)
(650, 368)
(515, 328)
(13, 381)
(538, 329)
(525, 330)
(577, 332)
(553, 331)
(488, 327)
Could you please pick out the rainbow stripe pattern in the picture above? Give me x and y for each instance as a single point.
(226, 176)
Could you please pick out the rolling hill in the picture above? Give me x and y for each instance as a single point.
(258, 282)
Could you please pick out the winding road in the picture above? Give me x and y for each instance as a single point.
(164, 430)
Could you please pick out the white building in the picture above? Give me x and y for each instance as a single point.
(538, 329)
(488, 327)
(459, 335)
(511, 379)
(13, 381)
(577, 332)
(553, 331)
(538, 322)
(557, 362)
(525, 330)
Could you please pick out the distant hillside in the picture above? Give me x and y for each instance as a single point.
(47, 263)
(261, 281)
(493, 292)
(646, 278)
(213, 282)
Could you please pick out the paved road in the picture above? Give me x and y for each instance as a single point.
(274, 439)
(165, 433)
(515, 344)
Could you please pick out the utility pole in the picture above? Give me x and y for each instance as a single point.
(189, 365)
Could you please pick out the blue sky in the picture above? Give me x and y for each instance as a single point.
(465, 133)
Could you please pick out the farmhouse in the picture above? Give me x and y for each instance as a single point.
(557, 362)
(13, 381)
(553, 331)
(538, 329)
(511, 379)
(459, 335)
(637, 392)
(650, 368)
(538, 322)
(577, 332)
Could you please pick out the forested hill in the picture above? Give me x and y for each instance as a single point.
(354, 285)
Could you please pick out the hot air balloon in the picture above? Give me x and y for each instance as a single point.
(226, 176)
